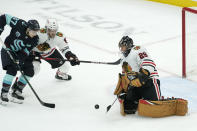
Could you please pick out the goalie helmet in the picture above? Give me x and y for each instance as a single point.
(51, 24)
(126, 41)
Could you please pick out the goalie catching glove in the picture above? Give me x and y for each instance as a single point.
(128, 77)
(138, 79)
(72, 58)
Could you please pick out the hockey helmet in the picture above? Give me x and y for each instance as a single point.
(33, 25)
(126, 41)
(51, 24)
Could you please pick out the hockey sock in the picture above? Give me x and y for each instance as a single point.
(7, 82)
(22, 82)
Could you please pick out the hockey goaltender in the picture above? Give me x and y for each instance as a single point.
(138, 88)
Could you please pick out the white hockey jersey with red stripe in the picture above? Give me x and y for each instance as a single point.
(139, 58)
(58, 41)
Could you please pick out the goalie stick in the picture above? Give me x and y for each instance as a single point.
(109, 107)
(83, 61)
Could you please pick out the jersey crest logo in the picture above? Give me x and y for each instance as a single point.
(18, 45)
(136, 48)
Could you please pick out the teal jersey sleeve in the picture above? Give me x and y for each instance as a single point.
(11, 21)
(8, 20)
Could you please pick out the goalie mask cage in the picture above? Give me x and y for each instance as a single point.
(189, 42)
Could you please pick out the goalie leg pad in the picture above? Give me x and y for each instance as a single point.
(162, 108)
(182, 107)
(122, 107)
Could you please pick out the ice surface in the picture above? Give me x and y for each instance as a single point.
(93, 29)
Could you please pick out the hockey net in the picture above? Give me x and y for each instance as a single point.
(189, 43)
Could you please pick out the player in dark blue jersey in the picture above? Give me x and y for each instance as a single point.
(21, 40)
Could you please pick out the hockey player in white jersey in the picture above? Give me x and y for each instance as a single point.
(139, 80)
(49, 39)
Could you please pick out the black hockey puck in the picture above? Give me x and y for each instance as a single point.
(96, 106)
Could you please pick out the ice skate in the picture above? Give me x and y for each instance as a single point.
(16, 94)
(62, 76)
(4, 98)
(16, 97)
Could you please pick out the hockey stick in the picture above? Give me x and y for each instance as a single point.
(109, 107)
(83, 61)
(50, 105)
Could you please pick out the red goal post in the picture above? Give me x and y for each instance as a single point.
(184, 10)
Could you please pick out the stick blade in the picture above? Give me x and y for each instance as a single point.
(50, 105)
(108, 108)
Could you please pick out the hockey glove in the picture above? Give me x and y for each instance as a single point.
(139, 78)
(72, 58)
(20, 56)
(43, 47)
(36, 56)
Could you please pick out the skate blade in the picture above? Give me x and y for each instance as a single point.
(60, 78)
(14, 100)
